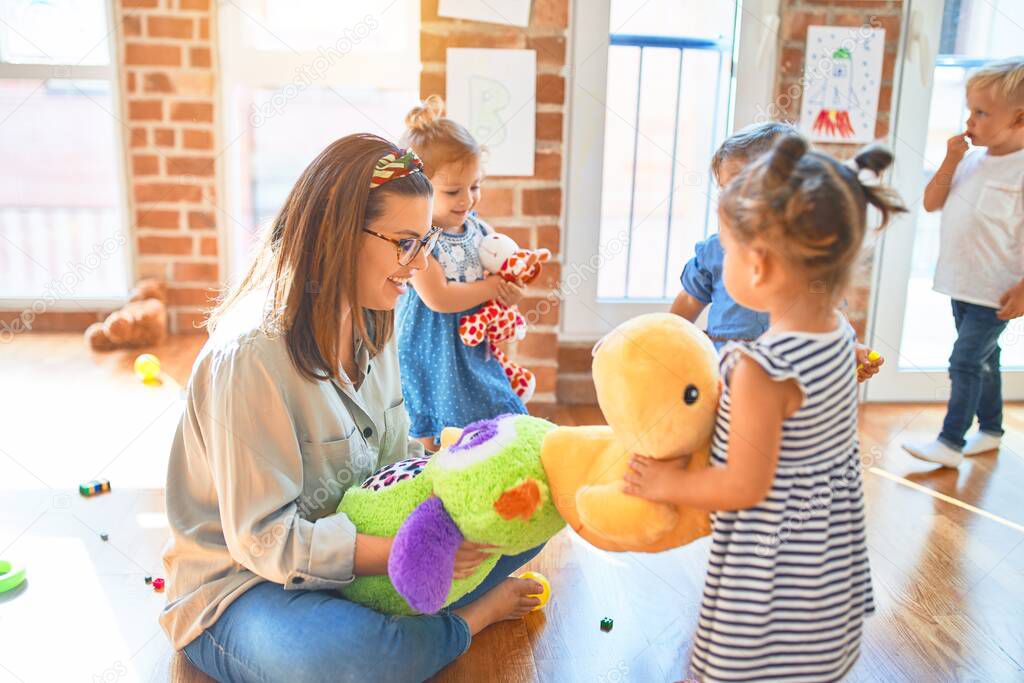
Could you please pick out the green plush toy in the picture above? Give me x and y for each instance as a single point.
(488, 487)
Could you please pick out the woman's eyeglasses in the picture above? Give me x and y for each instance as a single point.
(409, 247)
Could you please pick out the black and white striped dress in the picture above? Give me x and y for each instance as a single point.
(788, 584)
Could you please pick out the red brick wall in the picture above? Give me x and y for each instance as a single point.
(528, 209)
(169, 84)
(796, 16)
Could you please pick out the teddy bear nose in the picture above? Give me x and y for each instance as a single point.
(690, 394)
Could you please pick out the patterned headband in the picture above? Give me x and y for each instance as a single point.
(394, 165)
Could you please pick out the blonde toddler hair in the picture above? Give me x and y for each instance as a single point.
(437, 139)
(1005, 77)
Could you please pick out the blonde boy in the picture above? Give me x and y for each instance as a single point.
(981, 260)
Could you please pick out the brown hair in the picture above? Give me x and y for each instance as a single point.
(749, 143)
(308, 258)
(811, 206)
(1007, 77)
(437, 139)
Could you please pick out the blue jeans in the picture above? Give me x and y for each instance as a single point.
(974, 373)
(269, 634)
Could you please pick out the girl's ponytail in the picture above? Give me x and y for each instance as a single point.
(422, 117)
(876, 159)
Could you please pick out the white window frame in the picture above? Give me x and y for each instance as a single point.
(584, 317)
(112, 73)
(245, 66)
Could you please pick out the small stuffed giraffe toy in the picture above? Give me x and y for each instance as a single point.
(495, 322)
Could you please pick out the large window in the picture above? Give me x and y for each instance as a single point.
(656, 87)
(62, 237)
(298, 76)
(669, 70)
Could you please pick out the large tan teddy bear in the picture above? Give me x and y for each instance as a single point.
(657, 384)
(141, 322)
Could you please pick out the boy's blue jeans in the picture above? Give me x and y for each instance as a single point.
(974, 373)
(269, 634)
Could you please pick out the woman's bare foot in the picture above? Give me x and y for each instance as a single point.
(510, 599)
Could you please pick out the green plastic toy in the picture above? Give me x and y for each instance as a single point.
(11, 576)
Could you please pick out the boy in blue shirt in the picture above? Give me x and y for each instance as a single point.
(702, 275)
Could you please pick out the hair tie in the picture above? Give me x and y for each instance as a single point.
(865, 176)
(394, 165)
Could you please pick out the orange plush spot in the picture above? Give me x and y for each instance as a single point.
(519, 501)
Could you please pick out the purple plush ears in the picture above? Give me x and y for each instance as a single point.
(422, 557)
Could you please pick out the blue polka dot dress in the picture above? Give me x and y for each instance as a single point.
(444, 382)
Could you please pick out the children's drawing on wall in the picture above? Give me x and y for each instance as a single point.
(842, 76)
(492, 91)
(488, 103)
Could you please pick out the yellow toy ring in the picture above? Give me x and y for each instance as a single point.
(11, 576)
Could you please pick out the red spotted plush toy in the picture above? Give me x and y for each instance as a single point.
(495, 322)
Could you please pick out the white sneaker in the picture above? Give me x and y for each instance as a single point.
(935, 451)
(982, 442)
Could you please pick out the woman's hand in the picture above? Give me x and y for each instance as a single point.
(468, 557)
(372, 553)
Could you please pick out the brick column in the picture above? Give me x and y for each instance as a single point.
(796, 16)
(527, 209)
(169, 84)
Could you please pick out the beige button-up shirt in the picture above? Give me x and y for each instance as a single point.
(258, 466)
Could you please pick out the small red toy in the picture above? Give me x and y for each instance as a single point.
(158, 585)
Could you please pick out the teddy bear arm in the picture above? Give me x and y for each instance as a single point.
(568, 455)
(97, 337)
(118, 327)
(690, 524)
(613, 518)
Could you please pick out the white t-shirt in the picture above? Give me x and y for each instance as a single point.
(981, 251)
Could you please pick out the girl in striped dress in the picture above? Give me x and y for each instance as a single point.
(788, 584)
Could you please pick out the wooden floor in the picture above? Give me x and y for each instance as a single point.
(947, 547)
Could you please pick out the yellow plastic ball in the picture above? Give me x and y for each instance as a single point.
(147, 367)
(545, 594)
(873, 356)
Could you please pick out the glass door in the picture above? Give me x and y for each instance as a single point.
(912, 325)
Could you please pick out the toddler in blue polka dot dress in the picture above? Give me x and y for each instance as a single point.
(446, 383)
